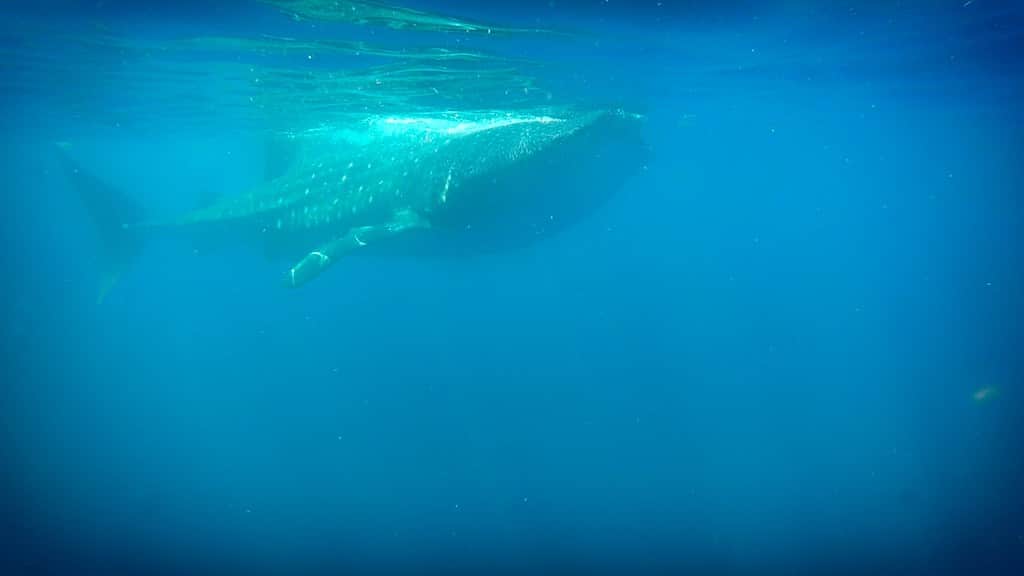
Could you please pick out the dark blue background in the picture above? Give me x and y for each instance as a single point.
(758, 358)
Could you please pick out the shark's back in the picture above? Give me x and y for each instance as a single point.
(344, 177)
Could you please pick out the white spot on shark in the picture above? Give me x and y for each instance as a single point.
(447, 184)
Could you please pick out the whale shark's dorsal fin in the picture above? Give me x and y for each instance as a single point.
(207, 197)
(280, 150)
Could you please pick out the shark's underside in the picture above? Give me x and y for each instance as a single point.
(451, 183)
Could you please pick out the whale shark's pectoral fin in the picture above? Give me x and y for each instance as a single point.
(318, 260)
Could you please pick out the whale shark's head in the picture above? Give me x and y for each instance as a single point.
(550, 188)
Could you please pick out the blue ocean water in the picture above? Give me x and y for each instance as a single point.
(789, 344)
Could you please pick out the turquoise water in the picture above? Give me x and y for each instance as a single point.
(787, 343)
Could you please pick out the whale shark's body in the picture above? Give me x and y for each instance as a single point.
(455, 183)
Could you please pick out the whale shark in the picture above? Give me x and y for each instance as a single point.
(451, 183)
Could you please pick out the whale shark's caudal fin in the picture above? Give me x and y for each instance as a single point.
(110, 211)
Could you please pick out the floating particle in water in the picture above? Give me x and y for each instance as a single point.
(985, 394)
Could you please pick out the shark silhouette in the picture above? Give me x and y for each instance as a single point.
(446, 184)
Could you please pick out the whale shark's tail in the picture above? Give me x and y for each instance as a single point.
(110, 211)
